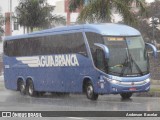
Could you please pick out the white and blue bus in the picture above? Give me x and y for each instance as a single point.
(95, 59)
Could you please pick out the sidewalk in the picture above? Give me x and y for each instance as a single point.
(1, 82)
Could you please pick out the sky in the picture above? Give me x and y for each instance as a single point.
(150, 1)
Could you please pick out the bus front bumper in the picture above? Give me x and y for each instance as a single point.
(117, 87)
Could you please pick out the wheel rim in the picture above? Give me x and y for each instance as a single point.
(89, 91)
(30, 89)
(22, 88)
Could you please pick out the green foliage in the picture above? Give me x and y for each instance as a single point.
(37, 14)
(146, 28)
(101, 10)
(74, 4)
(153, 9)
(1, 24)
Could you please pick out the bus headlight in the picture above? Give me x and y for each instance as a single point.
(115, 82)
(147, 80)
(111, 80)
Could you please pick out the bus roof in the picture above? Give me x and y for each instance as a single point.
(106, 29)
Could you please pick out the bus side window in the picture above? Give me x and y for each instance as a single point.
(94, 38)
(75, 42)
(5, 47)
(100, 59)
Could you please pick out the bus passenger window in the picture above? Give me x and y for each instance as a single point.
(100, 60)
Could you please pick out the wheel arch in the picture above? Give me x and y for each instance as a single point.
(86, 79)
(19, 79)
(29, 78)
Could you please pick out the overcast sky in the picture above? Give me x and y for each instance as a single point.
(149, 1)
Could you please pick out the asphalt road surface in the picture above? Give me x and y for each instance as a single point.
(13, 101)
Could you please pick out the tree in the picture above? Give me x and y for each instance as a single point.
(101, 10)
(37, 14)
(153, 9)
(146, 27)
(1, 24)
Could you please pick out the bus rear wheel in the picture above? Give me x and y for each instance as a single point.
(126, 95)
(21, 87)
(90, 92)
(30, 89)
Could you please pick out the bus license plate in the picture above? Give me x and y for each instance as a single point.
(132, 89)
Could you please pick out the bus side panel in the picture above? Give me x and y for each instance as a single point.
(63, 79)
(74, 78)
(51, 79)
(10, 75)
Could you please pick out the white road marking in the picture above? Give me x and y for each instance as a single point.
(121, 102)
(77, 118)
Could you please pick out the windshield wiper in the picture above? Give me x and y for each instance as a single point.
(137, 67)
(125, 65)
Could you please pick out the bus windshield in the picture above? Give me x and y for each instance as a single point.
(128, 56)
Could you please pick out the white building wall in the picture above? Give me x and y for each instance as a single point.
(59, 7)
(74, 17)
(60, 10)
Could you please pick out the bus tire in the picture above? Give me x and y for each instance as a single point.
(90, 92)
(30, 89)
(126, 95)
(21, 87)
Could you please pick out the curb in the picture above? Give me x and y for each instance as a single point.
(148, 94)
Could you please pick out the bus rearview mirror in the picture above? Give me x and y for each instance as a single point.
(154, 49)
(104, 48)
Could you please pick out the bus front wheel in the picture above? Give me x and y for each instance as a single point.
(30, 89)
(126, 95)
(90, 92)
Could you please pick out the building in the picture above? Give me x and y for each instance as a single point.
(62, 9)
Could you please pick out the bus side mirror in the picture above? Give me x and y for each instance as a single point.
(104, 48)
(148, 45)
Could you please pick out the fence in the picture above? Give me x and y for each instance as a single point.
(155, 66)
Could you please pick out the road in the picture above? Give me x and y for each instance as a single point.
(13, 101)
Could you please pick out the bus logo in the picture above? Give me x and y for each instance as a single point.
(50, 61)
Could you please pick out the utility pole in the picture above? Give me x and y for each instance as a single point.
(68, 12)
(153, 29)
(11, 17)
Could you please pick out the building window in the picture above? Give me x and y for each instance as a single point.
(16, 26)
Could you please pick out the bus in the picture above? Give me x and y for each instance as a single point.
(94, 59)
